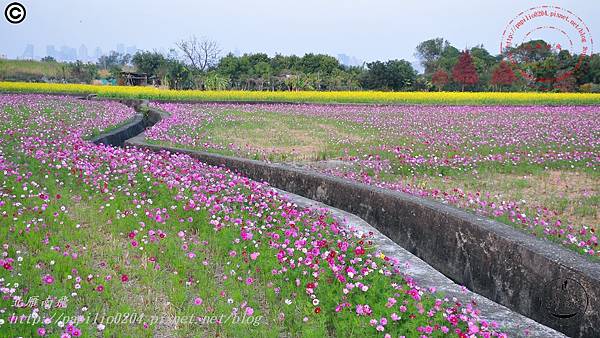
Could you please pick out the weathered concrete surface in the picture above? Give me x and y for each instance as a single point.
(512, 323)
(145, 118)
(534, 277)
(119, 135)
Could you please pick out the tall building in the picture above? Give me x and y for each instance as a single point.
(97, 53)
(68, 53)
(121, 48)
(51, 51)
(28, 52)
(83, 53)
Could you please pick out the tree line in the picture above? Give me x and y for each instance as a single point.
(532, 65)
(196, 64)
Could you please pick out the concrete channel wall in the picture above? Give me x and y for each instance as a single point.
(145, 118)
(541, 280)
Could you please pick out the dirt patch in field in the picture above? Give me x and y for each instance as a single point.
(572, 194)
(568, 184)
(341, 135)
(569, 192)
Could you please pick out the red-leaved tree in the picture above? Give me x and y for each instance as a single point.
(503, 75)
(565, 82)
(440, 78)
(464, 71)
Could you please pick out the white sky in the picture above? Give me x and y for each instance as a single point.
(366, 29)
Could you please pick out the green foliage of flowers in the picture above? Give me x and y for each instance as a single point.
(123, 242)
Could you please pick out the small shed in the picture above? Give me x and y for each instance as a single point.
(133, 79)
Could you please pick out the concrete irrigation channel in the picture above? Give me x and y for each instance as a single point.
(522, 282)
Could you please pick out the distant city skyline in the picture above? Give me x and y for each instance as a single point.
(69, 53)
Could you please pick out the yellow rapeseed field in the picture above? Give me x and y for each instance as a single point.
(307, 96)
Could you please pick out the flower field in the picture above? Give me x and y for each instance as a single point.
(98, 240)
(533, 167)
(451, 98)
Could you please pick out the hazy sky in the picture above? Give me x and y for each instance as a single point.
(366, 29)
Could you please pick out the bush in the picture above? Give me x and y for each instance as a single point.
(590, 88)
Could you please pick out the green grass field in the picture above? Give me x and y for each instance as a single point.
(29, 70)
(530, 167)
(121, 242)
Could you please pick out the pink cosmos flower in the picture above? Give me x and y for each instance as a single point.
(48, 279)
(473, 328)
(363, 310)
(246, 235)
(343, 246)
(359, 251)
(415, 294)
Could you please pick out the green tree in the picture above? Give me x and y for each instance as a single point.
(149, 62)
(319, 63)
(178, 75)
(81, 72)
(113, 59)
(262, 73)
(430, 51)
(484, 64)
(390, 75)
(48, 59)
(215, 81)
